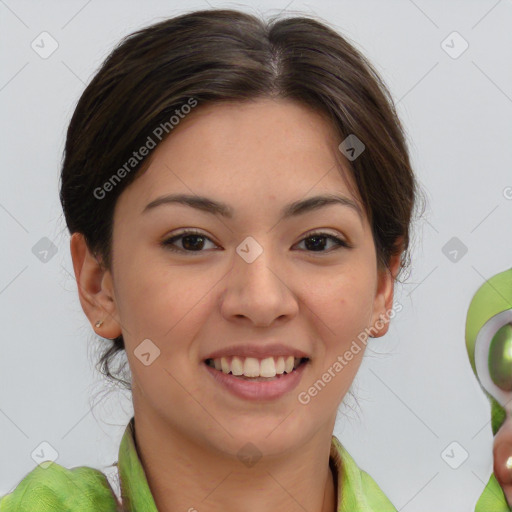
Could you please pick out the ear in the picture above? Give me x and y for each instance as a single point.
(95, 289)
(383, 302)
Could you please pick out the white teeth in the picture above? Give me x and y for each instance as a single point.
(268, 367)
(237, 366)
(253, 367)
(280, 365)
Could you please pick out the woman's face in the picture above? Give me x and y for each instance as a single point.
(252, 279)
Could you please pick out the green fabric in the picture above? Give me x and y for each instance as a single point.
(135, 492)
(357, 489)
(498, 415)
(59, 489)
(492, 499)
(85, 489)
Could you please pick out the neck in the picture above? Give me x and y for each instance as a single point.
(185, 475)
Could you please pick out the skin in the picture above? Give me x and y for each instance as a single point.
(257, 157)
(502, 450)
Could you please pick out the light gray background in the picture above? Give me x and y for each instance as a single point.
(416, 398)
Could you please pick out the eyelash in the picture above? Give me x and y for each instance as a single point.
(169, 241)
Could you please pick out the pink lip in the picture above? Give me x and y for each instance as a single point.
(259, 351)
(258, 390)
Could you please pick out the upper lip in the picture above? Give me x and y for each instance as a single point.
(258, 351)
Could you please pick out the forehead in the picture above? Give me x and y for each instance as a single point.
(266, 148)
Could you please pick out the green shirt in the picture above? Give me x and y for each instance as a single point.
(84, 489)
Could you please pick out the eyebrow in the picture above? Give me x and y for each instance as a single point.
(217, 208)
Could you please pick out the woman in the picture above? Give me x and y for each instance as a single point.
(239, 197)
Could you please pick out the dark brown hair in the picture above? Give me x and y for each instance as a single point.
(227, 55)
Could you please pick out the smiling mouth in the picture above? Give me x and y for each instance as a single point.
(253, 369)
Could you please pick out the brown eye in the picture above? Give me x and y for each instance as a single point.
(192, 241)
(318, 241)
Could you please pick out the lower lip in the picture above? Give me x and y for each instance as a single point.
(258, 390)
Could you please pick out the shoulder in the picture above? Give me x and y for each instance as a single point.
(54, 487)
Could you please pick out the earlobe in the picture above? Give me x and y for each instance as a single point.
(95, 289)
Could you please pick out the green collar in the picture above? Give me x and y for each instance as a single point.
(356, 490)
(85, 489)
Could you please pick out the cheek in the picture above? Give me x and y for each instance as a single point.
(342, 300)
(155, 296)
(167, 305)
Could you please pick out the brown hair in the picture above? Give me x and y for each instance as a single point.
(221, 55)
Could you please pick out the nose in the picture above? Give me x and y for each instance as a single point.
(260, 292)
